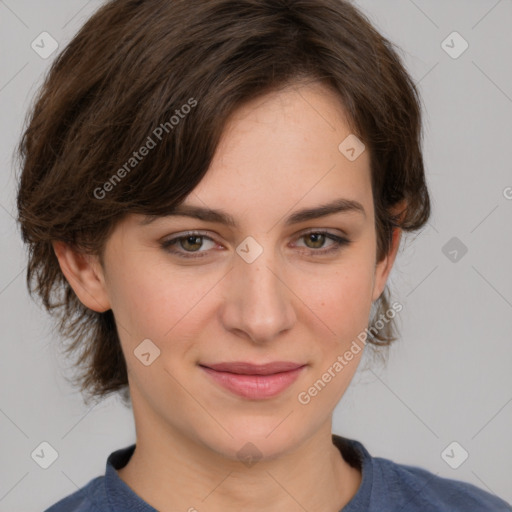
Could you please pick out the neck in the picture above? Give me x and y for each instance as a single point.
(173, 471)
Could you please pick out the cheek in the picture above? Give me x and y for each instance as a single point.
(154, 299)
(341, 298)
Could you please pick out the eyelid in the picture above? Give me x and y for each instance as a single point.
(207, 234)
(338, 243)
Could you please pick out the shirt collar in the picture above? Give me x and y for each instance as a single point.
(120, 496)
(357, 456)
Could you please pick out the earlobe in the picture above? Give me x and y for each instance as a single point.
(383, 268)
(84, 274)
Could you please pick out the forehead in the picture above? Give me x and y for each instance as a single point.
(282, 158)
(288, 146)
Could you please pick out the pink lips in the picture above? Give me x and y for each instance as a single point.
(255, 381)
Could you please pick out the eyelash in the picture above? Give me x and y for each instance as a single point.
(339, 243)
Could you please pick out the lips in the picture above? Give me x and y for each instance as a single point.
(243, 368)
(254, 382)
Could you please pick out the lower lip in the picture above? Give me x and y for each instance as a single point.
(256, 387)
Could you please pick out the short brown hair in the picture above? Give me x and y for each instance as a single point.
(135, 64)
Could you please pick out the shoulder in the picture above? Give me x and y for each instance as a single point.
(90, 498)
(388, 486)
(104, 492)
(418, 489)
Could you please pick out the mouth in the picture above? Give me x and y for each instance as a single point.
(254, 382)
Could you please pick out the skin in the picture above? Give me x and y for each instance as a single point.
(278, 154)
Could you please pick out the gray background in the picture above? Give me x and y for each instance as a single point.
(447, 379)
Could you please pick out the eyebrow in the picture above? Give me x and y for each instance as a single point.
(222, 217)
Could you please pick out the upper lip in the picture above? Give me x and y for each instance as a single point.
(244, 368)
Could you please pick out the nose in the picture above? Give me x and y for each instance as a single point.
(258, 301)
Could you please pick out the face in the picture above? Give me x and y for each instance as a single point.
(268, 288)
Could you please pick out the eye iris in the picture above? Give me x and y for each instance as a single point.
(194, 239)
(318, 238)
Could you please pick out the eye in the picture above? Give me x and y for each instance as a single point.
(189, 245)
(317, 240)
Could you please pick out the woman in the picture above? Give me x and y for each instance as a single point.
(214, 195)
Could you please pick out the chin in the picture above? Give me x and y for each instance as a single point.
(256, 439)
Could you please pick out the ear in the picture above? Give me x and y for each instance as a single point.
(84, 274)
(383, 267)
